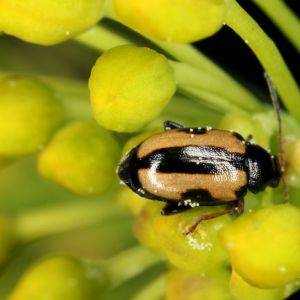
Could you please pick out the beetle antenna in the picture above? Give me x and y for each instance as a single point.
(282, 157)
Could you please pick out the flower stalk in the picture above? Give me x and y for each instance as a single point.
(268, 54)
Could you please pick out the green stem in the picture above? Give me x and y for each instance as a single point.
(268, 55)
(189, 112)
(74, 95)
(65, 217)
(283, 17)
(129, 263)
(187, 54)
(153, 291)
(101, 38)
(209, 100)
(212, 89)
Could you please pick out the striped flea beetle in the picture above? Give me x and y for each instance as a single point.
(189, 167)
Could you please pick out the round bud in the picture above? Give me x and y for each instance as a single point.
(82, 157)
(60, 278)
(175, 20)
(48, 22)
(130, 200)
(201, 246)
(129, 86)
(245, 126)
(293, 155)
(29, 113)
(144, 229)
(264, 246)
(242, 290)
(212, 285)
(137, 139)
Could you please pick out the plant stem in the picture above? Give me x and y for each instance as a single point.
(268, 55)
(129, 263)
(189, 113)
(65, 217)
(283, 17)
(187, 54)
(101, 38)
(153, 291)
(212, 90)
(74, 96)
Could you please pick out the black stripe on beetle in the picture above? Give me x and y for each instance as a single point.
(192, 160)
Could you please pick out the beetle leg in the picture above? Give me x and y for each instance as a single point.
(207, 217)
(169, 125)
(234, 208)
(172, 208)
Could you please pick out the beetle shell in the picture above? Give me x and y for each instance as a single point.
(198, 165)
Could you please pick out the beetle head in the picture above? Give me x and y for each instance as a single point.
(263, 169)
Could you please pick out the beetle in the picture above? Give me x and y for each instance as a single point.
(189, 167)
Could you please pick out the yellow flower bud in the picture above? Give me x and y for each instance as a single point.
(29, 113)
(212, 285)
(293, 155)
(129, 86)
(144, 226)
(130, 200)
(48, 22)
(201, 250)
(245, 125)
(60, 278)
(264, 246)
(82, 157)
(137, 139)
(176, 20)
(242, 290)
